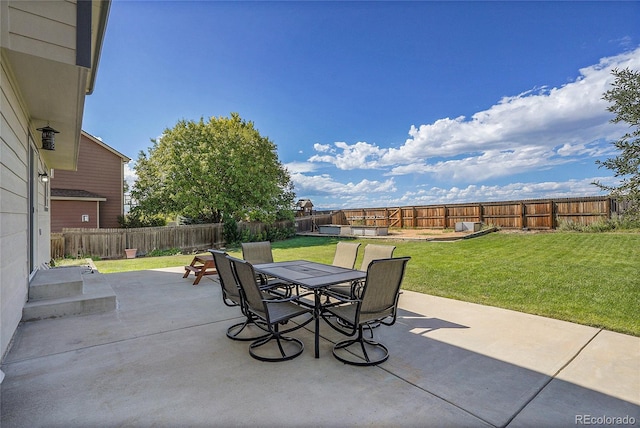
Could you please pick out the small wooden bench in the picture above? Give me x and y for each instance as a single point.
(201, 265)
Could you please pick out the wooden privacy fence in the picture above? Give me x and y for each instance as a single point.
(525, 214)
(57, 245)
(310, 223)
(111, 243)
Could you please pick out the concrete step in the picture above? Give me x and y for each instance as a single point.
(56, 283)
(97, 296)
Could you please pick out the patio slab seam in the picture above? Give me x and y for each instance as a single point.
(433, 394)
(553, 377)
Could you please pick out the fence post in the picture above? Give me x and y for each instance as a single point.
(445, 220)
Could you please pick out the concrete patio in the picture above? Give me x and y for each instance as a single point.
(162, 359)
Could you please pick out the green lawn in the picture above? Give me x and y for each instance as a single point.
(587, 278)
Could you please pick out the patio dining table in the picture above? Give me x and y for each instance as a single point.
(311, 276)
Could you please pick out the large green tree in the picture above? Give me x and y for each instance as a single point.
(624, 97)
(213, 171)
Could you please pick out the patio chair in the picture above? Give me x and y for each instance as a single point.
(273, 313)
(375, 252)
(231, 296)
(377, 304)
(346, 254)
(371, 252)
(258, 253)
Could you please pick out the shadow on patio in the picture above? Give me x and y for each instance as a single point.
(163, 359)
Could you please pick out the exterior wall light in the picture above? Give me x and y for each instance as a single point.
(48, 137)
(44, 177)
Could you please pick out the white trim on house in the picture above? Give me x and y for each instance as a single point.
(71, 198)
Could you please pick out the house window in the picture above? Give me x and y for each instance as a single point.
(85, 218)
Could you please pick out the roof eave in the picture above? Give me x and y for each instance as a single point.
(99, 18)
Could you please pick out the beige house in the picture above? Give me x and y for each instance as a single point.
(49, 57)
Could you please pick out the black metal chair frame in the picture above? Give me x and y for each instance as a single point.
(350, 326)
(264, 310)
(234, 332)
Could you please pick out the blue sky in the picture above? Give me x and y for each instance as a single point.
(376, 104)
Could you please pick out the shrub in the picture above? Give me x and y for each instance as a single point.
(230, 231)
(273, 232)
(280, 233)
(132, 220)
(248, 236)
(625, 222)
(608, 225)
(167, 252)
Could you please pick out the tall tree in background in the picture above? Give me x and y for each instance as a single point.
(212, 171)
(625, 103)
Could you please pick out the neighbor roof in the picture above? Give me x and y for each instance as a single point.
(73, 194)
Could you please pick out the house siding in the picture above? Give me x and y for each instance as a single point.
(44, 28)
(14, 208)
(40, 83)
(69, 214)
(100, 171)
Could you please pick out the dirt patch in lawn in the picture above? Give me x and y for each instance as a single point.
(417, 234)
(427, 234)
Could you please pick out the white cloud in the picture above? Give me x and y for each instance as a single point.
(591, 150)
(530, 131)
(513, 191)
(300, 167)
(129, 174)
(322, 147)
(490, 164)
(326, 185)
(356, 156)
